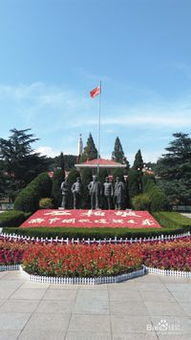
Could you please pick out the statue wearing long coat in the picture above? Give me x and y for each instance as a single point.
(119, 194)
(95, 191)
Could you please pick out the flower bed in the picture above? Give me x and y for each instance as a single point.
(11, 253)
(82, 260)
(92, 261)
(173, 255)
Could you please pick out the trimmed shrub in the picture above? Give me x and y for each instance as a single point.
(12, 218)
(28, 199)
(159, 201)
(46, 203)
(141, 202)
(44, 184)
(97, 233)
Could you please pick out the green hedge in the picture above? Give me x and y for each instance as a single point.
(97, 233)
(28, 199)
(171, 222)
(12, 218)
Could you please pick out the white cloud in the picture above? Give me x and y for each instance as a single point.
(58, 106)
(175, 116)
(47, 151)
(51, 152)
(58, 115)
(151, 156)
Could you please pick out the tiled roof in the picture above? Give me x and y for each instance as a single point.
(102, 162)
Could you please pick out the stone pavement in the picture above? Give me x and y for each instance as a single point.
(149, 307)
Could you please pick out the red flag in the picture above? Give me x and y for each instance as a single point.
(95, 92)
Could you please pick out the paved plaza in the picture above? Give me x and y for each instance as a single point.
(149, 307)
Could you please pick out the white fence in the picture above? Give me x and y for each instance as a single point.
(9, 267)
(83, 280)
(174, 273)
(91, 241)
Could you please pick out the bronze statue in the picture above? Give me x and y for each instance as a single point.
(95, 191)
(76, 191)
(65, 191)
(108, 192)
(119, 194)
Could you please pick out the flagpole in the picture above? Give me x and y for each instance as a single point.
(99, 127)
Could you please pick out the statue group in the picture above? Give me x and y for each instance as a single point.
(110, 193)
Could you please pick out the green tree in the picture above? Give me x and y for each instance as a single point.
(118, 173)
(138, 162)
(90, 151)
(19, 160)
(86, 176)
(174, 169)
(72, 176)
(134, 183)
(2, 184)
(56, 194)
(118, 153)
(103, 173)
(150, 166)
(62, 162)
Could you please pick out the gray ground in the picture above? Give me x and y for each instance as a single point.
(149, 307)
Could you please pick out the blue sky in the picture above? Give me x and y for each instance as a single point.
(53, 52)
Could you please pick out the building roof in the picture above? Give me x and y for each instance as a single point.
(103, 163)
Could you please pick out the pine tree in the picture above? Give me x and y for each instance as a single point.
(90, 151)
(19, 160)
(174, 169)
(62, 163)
(2, 184)
(138, 162)
(118, 153)
(176, 164)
